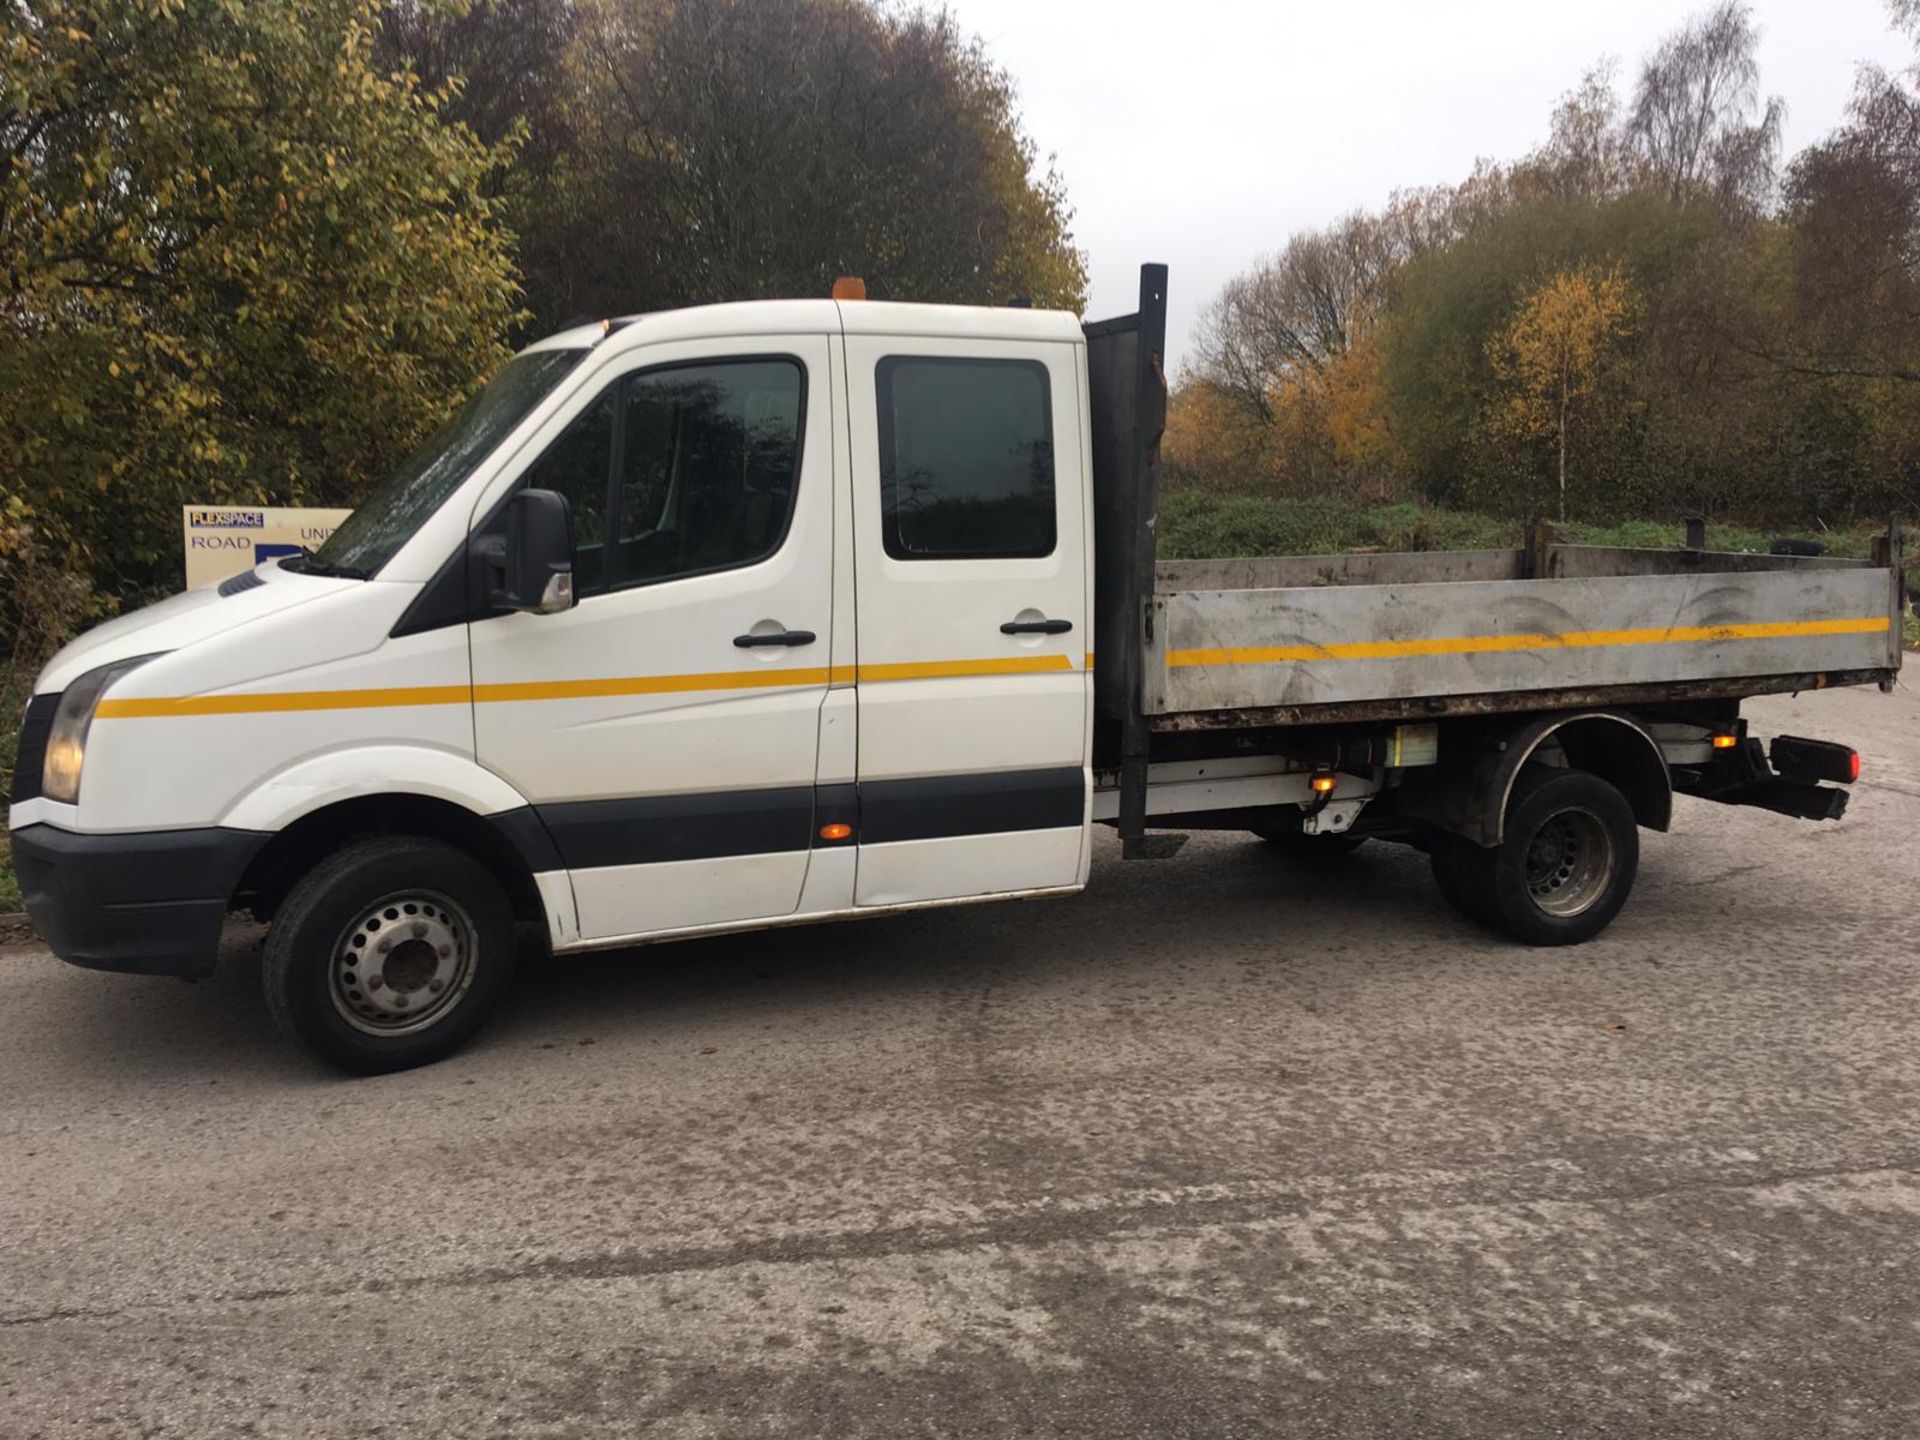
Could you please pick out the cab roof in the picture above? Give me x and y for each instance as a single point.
(814, 317)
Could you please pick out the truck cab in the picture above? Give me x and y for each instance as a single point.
(801, 629)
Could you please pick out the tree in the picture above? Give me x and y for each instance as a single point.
(506, 71)
(500, 63)
(237, 263)
(727, 150)
(1290, 316)
(1588, 154)
(1694, 124)
(1553, 352)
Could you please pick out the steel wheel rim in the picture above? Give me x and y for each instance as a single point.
(1570, 862)
(403, 963)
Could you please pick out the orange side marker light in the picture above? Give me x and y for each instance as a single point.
(1323, 783)
(849, 287)
(1725, 742)
(839, 830)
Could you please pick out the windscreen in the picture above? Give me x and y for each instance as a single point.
(376, 530)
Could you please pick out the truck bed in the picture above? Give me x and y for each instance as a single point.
(1251, 645)
(1302, 640)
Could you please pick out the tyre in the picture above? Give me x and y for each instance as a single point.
(1302, 846)
(390, 953)
(1565, 868)
(1452, 860)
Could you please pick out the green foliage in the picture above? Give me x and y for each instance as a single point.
(240, 264)
(253, 251)
(1204, 525)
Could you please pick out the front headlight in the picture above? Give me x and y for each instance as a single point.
(67, 739)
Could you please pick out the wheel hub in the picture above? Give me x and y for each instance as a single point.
(402, 964)
(1570, 862)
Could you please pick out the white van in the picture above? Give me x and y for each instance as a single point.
(751, 614)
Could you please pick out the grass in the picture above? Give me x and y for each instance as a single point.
(13, 699)
(10, 900)
(1208, 525)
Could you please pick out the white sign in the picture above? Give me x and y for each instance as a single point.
(223, 540)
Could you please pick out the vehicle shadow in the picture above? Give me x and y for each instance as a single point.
(1222, 893)
(1131, 921)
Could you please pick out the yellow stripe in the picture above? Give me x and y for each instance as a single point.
(1494, 644)
(258, 704)
(650, 685)
(944, 669)
(161, 707)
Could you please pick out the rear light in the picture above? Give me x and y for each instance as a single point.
(1810, 760)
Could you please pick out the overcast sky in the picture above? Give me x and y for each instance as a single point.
(1204, 133)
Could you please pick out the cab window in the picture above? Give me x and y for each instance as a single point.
(576, 465)
(709, 467)
(680, 471)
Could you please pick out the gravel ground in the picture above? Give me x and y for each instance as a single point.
(1221, 1148)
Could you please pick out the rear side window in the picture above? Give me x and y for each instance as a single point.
(966, 458)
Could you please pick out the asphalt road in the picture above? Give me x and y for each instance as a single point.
(1218, 1149)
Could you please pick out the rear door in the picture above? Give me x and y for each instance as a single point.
(666, 728)
(972, 604)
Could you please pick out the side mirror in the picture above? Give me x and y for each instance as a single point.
(532, 570)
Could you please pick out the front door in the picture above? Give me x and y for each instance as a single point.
(666, 727)
(971, 597)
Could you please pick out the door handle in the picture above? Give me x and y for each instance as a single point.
(788, 638)
(1036, 627)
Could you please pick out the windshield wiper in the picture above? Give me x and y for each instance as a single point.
(310, 563)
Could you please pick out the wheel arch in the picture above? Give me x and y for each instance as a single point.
(513, 845)
(1606, 743)
(1471, 799)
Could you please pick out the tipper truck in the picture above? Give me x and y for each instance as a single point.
(739, 616)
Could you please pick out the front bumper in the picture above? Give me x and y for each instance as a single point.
(149, 903)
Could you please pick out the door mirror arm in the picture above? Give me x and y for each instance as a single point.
(530, 567)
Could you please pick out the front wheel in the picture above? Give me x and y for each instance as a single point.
(390, 953)
(1563, 870)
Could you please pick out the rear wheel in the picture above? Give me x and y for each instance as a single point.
(1563, 870)
(390, 953)
(1453, 872)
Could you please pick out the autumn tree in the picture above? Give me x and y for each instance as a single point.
(238, 262)
(1589, 154)
(1553, 353)
(1290, 316)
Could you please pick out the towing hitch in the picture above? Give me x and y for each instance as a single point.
(1787, 782)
